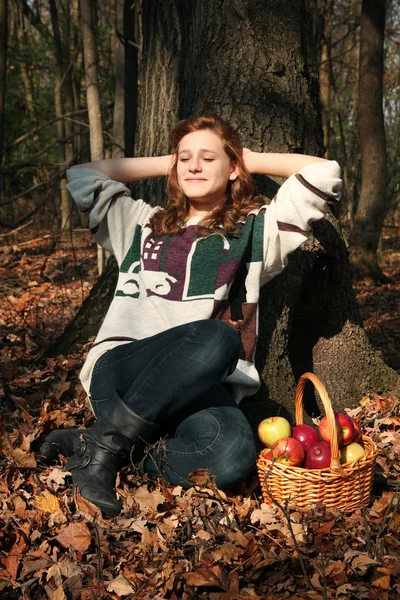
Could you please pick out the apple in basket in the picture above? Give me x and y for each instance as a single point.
(351, 452)
(318, 456)
(344, 426)
(267, 453)
(305, 434)
(288, 451)
(357, 436)
(270, 430)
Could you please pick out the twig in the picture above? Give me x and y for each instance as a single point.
(161, 564)
(98, 552)
(385, 524)
(15, 230)
(381, 414)
(44, 237)
(289, 522)
(364, 514)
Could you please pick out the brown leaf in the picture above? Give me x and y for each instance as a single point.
(381, 578)
(61, 386)
(12, 560)
(19, 506)
(148, 500)
(89, 509)
(54, 589)
(34, 566)
(23, 459)
(325, 528)
(361, 563)
(76, 535)
(213, 576)
(56, 478)
(47, 502)
(202, 477)
(120, 585)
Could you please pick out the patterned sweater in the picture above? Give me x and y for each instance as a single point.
(170, 280)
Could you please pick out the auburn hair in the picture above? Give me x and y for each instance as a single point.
(237, 202)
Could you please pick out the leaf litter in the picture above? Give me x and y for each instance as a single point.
(169, 542)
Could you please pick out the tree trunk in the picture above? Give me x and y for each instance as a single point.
(3, 70)
(132, 41)
(93, 98)
(325, 71)
(254, 63)
(58, 98)
(371, 207)
(118, 148)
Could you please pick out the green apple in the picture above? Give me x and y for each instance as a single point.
(351, 452)
(273, 429)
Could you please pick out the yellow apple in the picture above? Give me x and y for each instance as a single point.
(273, 429)
(351, 452)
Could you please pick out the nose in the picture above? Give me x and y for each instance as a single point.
(194, 165)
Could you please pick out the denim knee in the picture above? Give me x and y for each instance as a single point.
(219, 341)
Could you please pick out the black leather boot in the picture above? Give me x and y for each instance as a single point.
(59, 441)
(103, 450)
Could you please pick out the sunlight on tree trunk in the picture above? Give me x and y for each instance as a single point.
(93, 100)
(58, 98)
(325, 72)
(371, 207)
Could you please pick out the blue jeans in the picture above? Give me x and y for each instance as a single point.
(175, 379)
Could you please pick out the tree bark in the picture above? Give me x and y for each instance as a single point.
(93, 98)
(92, 88)
(371, 207)
(3, 70)
(254, 63)
(65, 204)
(325, 71)
(132, 43)
(118, 148)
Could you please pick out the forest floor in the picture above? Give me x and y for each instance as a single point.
(168, 542)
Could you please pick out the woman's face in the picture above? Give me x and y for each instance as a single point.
(204, 169)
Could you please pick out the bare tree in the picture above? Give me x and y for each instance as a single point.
(325, 69)
(3, 70)
(371, 207)
(118, 148)
(92, 95)
(58, 98)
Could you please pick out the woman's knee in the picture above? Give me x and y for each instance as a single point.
(218, 340)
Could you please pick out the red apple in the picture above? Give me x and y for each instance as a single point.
(357, 436)
(305, 434)
(344, 426)
(318, 456)
(272, 429)
(266, 453)
(351, 452)
(288, 451)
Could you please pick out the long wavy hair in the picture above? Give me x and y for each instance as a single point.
(234, 206)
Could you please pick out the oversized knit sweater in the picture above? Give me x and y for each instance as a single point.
(167, 281)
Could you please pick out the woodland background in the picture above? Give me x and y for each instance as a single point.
(82, 80)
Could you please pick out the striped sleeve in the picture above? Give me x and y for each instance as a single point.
(300, 201)
(113, 214)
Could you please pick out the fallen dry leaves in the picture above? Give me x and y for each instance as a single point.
(168, 542)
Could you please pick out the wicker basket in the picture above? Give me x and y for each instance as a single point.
(347, 486)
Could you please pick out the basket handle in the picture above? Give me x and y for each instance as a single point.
(333, 436)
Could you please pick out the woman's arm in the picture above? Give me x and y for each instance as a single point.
(131, 169)
(276, 164)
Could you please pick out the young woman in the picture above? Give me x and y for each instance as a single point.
(175, 351)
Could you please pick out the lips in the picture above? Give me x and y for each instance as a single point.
(195, 180)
